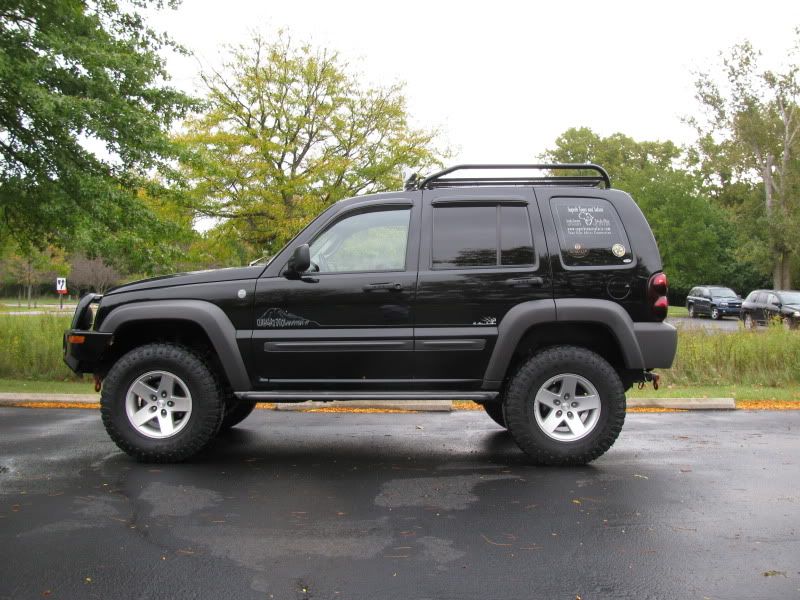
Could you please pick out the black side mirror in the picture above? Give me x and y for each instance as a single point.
(300, 260)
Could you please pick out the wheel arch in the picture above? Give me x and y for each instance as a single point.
(194, 323)
(598, 325)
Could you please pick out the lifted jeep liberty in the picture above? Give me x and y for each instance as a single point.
(542, 297)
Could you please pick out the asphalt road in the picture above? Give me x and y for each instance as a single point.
(401, 506)
(726, 324)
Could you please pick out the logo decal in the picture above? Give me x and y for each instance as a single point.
(618, 250)
(486, 321)
(277, 318)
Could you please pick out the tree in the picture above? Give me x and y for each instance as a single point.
(288, 131)
(695, 238)
(84, 112)
(30, 267)
(93, 273)
(749, 134)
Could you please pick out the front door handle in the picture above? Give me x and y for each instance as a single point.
(390, 286)
(525, 282)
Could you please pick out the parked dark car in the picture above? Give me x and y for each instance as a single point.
(762, 306)
(714, 301)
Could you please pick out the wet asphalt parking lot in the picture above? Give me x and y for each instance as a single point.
(401, 506)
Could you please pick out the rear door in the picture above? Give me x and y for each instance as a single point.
(483, 251)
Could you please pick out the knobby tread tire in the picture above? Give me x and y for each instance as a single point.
(207, 405)
(532, 374)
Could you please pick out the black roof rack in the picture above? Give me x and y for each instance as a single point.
(438, 180)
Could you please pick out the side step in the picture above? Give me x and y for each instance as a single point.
(301, 396)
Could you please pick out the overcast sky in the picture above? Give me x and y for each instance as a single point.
(503, 79)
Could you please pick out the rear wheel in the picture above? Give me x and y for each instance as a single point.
(748, 321)
(565, 406)
(495, 411)
(161, 403)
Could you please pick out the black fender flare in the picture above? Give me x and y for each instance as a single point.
(522, 317)
(209, 317)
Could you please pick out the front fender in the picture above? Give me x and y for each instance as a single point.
(209, 317)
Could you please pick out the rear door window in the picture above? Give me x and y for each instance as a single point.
(480, 236)
(590, 233)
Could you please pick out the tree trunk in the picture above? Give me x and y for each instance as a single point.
(782, 272)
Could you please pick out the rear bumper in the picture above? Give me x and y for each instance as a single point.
(658, 343)
(84, 350)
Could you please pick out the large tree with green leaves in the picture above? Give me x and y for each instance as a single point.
(290, 129)
(84, 116)
(749, 135)
(695, 238)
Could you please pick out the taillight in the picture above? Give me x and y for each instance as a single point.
(657, 295)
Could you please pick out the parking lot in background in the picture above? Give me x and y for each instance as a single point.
(401, 506)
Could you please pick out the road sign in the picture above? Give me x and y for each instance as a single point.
(61, 285)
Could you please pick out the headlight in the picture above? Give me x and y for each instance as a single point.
(796, 314)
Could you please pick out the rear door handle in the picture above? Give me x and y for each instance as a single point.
(390, 286)
(525, 282)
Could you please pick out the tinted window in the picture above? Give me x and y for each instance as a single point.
(590, 232)
(516, 243)
(481, 236)
(371, 241)
(762, 298)
(723, 293)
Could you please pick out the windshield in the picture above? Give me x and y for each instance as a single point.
(723, 293)
(790, 297)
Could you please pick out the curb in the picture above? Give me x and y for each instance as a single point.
(683, 403)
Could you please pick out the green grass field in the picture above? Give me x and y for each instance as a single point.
(677, 311)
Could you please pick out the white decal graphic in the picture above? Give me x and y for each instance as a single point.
(486, 321)
(277, 318)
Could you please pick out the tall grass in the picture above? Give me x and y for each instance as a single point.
(768, 357)
(31, 347)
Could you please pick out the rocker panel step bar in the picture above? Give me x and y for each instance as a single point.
(301, 396)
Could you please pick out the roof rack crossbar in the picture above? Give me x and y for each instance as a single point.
(438, 180)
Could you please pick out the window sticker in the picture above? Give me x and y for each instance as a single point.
(590, 232)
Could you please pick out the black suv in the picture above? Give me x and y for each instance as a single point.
(762, 306)
(541, 297)
(714, 301)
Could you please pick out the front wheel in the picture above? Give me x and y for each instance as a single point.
(715, 314)
(161, 403)
(565, 406)
(691, 311)
(748, 321)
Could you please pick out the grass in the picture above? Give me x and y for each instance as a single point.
(19, 386)
(677, 311)
(738, 392)
(32, 347)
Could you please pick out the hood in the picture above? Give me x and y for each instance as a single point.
(791, 307)
(210, 276)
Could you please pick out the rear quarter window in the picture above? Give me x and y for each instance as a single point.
(590, 233)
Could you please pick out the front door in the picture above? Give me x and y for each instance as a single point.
(483, 251)
(348, 322)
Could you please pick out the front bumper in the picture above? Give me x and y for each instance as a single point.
(84, 350)
(729, 310)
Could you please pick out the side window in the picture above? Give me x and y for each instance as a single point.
(369, 241)
(693, 292)
(590, 233)
(475, 236)
(762, 298)
(772, 299)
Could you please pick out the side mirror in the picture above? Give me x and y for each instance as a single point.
(300, 260)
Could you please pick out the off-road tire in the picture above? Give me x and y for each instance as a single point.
(531, 375)
(236, 411)
(495, 411)
(207, 405)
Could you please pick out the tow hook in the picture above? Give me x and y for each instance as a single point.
(648, 376)
(98, 383)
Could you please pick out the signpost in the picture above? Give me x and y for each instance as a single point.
(61, 289)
